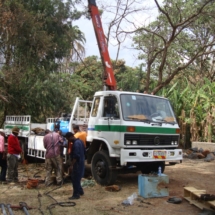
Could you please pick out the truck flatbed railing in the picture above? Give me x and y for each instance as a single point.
(26, 119)
(53, 120)
(23, 122)
(80, 114)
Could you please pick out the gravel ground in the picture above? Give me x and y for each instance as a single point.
(98, 201)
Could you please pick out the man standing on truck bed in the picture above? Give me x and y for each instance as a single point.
(13, 155)
(53, 159)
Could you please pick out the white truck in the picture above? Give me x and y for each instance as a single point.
(127, 132)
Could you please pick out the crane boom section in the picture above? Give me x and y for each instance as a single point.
(109, 77)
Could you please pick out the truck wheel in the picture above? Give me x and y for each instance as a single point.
(149, 167)
(100, 167)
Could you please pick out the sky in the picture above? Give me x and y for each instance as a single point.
(127, 52)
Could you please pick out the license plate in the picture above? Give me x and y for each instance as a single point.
(159, 154)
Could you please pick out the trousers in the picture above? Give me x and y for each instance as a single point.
(56, 164)
(12, 162)
(76, 175)
(3, 165)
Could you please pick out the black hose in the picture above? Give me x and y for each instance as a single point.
(62, 204)
(40, 204)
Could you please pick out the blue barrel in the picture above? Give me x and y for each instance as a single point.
(64, 126)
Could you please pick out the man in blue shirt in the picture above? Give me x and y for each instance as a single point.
(77, 164)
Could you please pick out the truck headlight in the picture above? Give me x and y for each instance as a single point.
(128, 142)
(134, 142)
(176, 142)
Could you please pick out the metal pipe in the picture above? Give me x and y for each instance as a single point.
(24, 207)
(9, 209)
(3, 209)
(25, 210)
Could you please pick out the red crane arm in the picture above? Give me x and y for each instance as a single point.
(109, 77)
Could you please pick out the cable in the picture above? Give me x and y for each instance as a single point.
(37, 176)
(40, 204)
(62, 204)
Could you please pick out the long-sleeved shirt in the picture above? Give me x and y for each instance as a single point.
(13, 145)
(78, 151)
(51, 144)
(1, 144)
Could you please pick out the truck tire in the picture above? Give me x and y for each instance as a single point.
(150, 167)
(100, 167)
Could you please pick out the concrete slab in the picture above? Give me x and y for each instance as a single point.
(204, 145)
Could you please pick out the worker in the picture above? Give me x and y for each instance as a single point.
(52, 158)
(77, 164)
(82, 135)
(13, 155)
(3, 160)
(62, 144)
(57, 125)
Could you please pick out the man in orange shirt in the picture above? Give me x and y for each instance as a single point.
(82, 135)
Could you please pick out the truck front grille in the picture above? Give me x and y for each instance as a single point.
(152, 140)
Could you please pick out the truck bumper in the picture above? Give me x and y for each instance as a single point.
(138, 155)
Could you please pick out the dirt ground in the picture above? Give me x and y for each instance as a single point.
(98, 201)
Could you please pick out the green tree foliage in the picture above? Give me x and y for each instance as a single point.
(194, 105)
(128, 78)
(88, 77)
(35, 38)
(181, 38)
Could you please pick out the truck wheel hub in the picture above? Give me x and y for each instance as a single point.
(100, 169)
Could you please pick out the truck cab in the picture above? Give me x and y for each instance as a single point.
(131, 129)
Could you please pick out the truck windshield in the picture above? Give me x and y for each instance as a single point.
(147, 109)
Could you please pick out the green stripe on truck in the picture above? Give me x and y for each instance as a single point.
(138, 129)
(24, 128)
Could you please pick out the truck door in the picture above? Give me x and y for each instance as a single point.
(109, 122)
